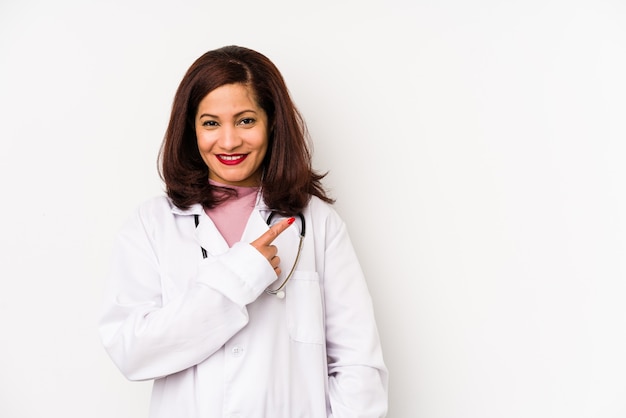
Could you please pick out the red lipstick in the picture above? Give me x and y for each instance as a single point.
(231, 159)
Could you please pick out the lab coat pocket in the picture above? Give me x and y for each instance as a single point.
(305, 319)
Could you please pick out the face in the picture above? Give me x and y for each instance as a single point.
(231, 130)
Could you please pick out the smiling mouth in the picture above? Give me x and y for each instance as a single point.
(232, 159)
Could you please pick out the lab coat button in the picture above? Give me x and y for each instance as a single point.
(237, 351)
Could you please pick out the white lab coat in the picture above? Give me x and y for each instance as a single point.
(217, 345)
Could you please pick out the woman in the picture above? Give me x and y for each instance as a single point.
(202, 297)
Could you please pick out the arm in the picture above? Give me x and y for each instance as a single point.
(357, 374)
(148, 339)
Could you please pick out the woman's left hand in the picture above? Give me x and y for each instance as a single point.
(264, 243)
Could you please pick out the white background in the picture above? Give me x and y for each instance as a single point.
(476, 149)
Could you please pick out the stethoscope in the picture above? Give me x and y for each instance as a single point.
(279, 292)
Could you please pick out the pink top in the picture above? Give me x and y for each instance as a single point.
(231, 216)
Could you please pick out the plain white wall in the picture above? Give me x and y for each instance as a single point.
(476, 149)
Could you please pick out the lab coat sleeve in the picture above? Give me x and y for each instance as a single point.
(357, 374)
(147, 339)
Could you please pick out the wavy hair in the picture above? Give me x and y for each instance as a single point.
(288, 180)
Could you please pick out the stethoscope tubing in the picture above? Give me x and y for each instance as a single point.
(279, 292)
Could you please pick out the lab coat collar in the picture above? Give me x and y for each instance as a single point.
(195, 209)
(209, 238)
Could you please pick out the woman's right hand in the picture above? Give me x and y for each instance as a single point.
(264, 243)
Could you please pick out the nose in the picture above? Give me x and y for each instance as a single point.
(230, 139)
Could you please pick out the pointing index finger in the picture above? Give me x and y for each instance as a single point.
(274, 231)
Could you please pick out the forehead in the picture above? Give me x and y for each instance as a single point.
(229, 96)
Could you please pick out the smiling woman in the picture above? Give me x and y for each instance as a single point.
(199, 299)
(287, 180)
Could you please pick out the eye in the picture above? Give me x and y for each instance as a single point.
(247, 121)
(209, 123)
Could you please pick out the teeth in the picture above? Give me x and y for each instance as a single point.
(230, 157)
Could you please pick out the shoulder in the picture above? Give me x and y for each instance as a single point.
(155, 212)
(156, 205)
(157, 208)
(320, 209)
(323, 214)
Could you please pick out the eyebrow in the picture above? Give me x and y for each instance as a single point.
(236, 115)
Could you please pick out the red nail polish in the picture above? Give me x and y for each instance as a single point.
(291, 220)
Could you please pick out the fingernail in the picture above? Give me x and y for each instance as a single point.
(291, 220)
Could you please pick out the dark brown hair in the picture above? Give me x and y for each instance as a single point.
(288, 181)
